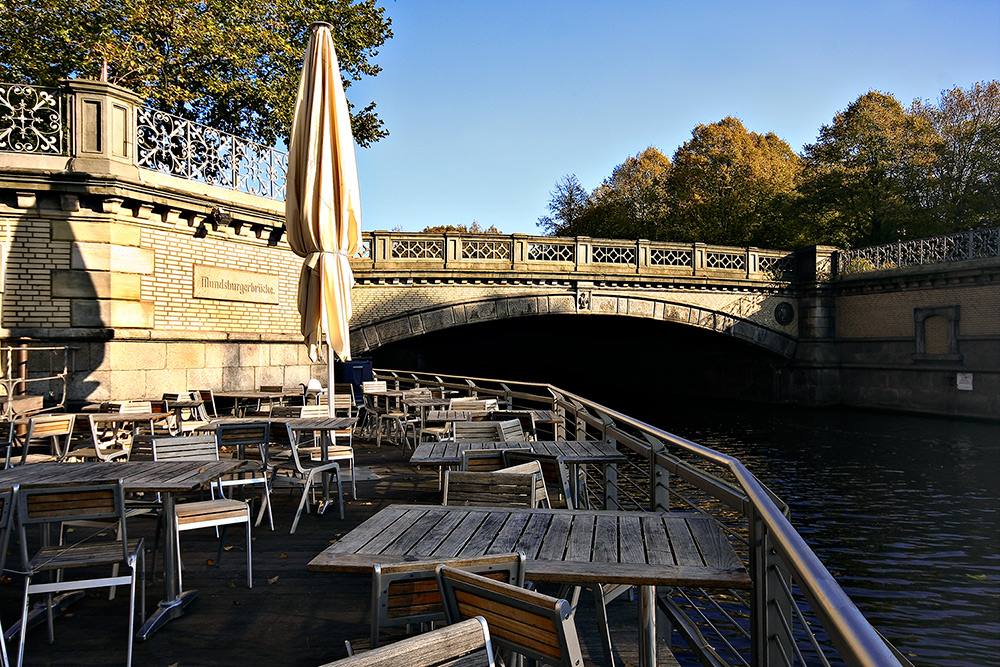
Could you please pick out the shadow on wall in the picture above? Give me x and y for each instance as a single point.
(49, 301)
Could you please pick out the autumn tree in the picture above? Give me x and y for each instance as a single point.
(629, 204)
(732, 187)
(961, 187)
(231, 64)
(567, 204)
(474, 228)
(861, 172)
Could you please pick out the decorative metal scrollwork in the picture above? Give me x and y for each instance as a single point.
(186, 149)
(31, 120)
(973, 244)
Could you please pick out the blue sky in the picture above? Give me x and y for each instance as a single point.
(489, 104)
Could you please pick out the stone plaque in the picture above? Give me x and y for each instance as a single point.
(212, 282)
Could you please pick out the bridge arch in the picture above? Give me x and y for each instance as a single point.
(415, 322)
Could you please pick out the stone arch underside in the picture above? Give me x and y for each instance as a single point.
(373, 334)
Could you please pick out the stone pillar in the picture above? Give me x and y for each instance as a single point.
(103, 122)
(816, 371)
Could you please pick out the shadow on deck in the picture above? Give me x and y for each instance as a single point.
(291, 616)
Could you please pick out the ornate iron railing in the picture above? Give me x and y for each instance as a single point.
(959, 247)
(31, 120)
(796, 614)
(180, 147)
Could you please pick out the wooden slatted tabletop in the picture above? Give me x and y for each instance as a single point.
(572, 451)
(567, 546)
(158, 476)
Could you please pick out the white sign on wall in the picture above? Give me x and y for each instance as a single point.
(963, 381)
(213, 282)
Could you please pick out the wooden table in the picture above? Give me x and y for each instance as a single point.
(165, 477)
(567, 546)
(422, 403)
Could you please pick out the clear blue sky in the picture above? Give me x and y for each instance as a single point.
(489, 104)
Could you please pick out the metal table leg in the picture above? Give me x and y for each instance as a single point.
(174, 602)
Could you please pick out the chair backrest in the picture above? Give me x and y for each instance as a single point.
(467, 644)
(477, 432)
(208, 399)
(271, 387)
(533, 468)
(405, 593)
(525, 417)
(189, 448)
(54, 504)
(343, 404)
(537, 626)
(555, 472)
(57, 427)
(374, 387)
(133, 407)
(489, 488)
(483, 460)
(240, 435)
(473, 404)
(511, 429)
(313, 410)
(286, 411)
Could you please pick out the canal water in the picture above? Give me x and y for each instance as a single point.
(904, 511)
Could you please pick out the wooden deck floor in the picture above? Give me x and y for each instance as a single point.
(291, 616)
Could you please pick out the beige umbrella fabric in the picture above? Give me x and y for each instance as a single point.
(322, 200)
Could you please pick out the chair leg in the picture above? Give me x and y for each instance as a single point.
(249, 554)
(302, 503)
(265, 504)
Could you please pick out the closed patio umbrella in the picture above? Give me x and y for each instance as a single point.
(323, 201)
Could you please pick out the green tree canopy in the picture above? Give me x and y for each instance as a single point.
(861, 170)
(474, 228)
(731, 186)
(961, 188)
(629, 204)
(231, 64)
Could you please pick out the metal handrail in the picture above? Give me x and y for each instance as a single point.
(854, 638)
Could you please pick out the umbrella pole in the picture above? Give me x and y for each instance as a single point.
(329, 380)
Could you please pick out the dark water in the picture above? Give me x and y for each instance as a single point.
(905, 511)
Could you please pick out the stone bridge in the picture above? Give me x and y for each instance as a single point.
(164, 274)
(412, 284)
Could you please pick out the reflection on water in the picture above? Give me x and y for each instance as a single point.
(903, 510)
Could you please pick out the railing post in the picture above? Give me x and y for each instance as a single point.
(770, 609)
(698, 253)
(102, 127)
(584, 252)
(452, 248)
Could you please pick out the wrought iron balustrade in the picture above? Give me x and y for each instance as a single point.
(958, 247)
(31, 120)
(183, 148)
(34, 120)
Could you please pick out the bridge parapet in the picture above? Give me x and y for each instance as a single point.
(401, 251)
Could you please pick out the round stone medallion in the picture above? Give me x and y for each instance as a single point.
(784, 313)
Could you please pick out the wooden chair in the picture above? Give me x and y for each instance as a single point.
(48, 507)
(250, 441)
(300, 470)
(537, 626)
(533, 468)
(477, 432)
(215, 513)
(555, 472)
(467, 644)
(379, 415)
(207, 397)
(482, 460)
(58, 428)
(511, 430)
(492, 489)
(473, 404)
(343, 406)
(525, 417)
(405, 594)
(188, 419)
